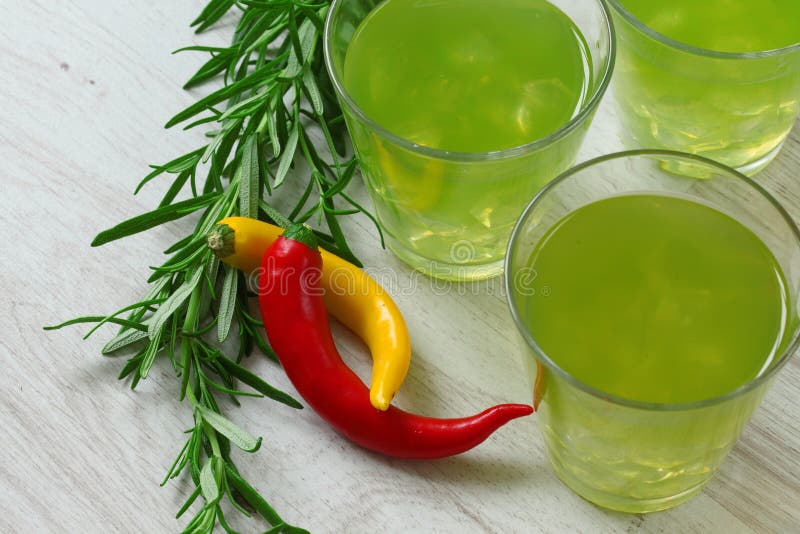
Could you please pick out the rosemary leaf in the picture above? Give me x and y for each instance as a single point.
(224, 426)
(255, 382)
(252, 496)
(97, 319)
(214, 11)
(312, 91)
(180, 164)
(150, 354)
(227, 303)
(287, 157)
(272, 127)
(188, 502)
(123, 340)
(176, 187)
(211, 68)
(218, 97)
(278, 27)
(132, 364)
(208, 482)
(304, 40)
(175, 300)
(153, 218)
(249, 181)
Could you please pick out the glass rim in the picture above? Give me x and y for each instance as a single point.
(696, 50)
(586, 110)
(541, 355)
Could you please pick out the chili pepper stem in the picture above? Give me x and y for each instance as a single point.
(301, 233)
(221, 240)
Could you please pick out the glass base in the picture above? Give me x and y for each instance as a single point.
(758, 165)
(623, 503)
(694, 170)
(457, 272)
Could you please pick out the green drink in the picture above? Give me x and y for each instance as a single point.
(456, 76)
(657, 309)
(667, 313)
(713, 77)
(461, 111)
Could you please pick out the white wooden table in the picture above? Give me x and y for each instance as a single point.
(85, 88)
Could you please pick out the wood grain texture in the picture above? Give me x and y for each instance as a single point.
(85, 88)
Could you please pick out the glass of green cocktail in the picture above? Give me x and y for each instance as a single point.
(716, 78)
(460, 110)
(656, 310)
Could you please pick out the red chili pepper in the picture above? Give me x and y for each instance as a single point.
(297, 327)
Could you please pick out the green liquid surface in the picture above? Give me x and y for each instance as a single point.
(657, 299)
(723, 25)
(467, 75)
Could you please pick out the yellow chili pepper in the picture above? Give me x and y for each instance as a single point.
(353, 297)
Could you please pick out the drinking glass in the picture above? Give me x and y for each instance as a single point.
(619, 453)
(449, 214)
(735, 108)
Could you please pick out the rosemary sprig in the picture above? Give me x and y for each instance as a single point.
(275, 91)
